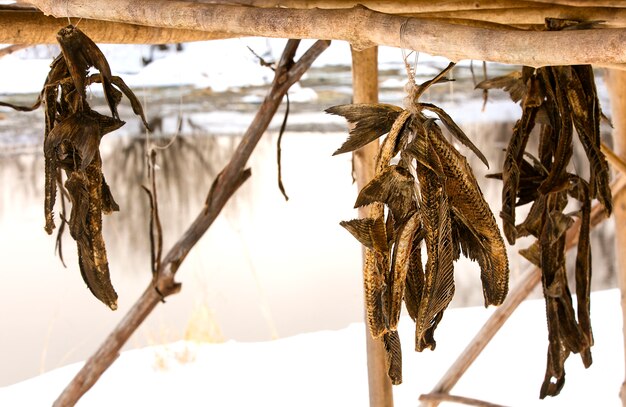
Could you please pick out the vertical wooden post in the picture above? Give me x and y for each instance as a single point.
(617, 90)
(365, 90)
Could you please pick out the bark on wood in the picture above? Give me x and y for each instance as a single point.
(33, 27)
(617, 88)
(229, 180)
(365, 90)
(610, 17)
(522, 289)
(585, 3)
(420, 6)
(618, 164)
(363, 28)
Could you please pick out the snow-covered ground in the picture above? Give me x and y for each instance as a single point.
(328, 368)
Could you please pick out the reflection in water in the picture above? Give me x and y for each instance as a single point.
(185, 171)
(249, 269)
(56, 321)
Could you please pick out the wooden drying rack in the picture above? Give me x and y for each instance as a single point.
(506, 31)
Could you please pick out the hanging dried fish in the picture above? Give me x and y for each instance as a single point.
(430, 196)
(559, 99)
(72, 143)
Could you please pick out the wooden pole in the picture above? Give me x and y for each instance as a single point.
(365, 90)
(617, 89)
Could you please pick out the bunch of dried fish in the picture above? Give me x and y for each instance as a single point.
(559, 99)
(71, 143)
(431, 196)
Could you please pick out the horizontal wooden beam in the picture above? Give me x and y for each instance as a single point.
(386, 6)
(33, 27)
(509, 12)
(585, 3)
(610, 17)
(421, 6)
(363, 28)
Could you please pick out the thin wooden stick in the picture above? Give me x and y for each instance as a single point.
(229, 180)
(522, 289)
(363, 28)
(440, 397)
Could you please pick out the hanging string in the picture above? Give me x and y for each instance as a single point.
(409, 71)
(411, 85)
(179, 126)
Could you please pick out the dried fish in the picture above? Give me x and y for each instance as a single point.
(370, 122)
(560, 99)
(393, 359)
(511, 83)
(395, 187)
(415, 275)
(400, 265)
(429, 196)
(80, 53)
(474, 227)
(72, 136)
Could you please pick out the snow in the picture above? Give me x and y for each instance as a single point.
(329, 367)
(18, 74)
(219, 65)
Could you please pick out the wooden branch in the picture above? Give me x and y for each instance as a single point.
(522, 289)
(33, 27)
(226, 184)
(615, 160)
(441, 397)
(11, 49)
(363, 28)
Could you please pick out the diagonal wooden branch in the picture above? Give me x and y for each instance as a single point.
(363, 28)
(226, 184)
(11, 49)
(444, 397)
(522, 289)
